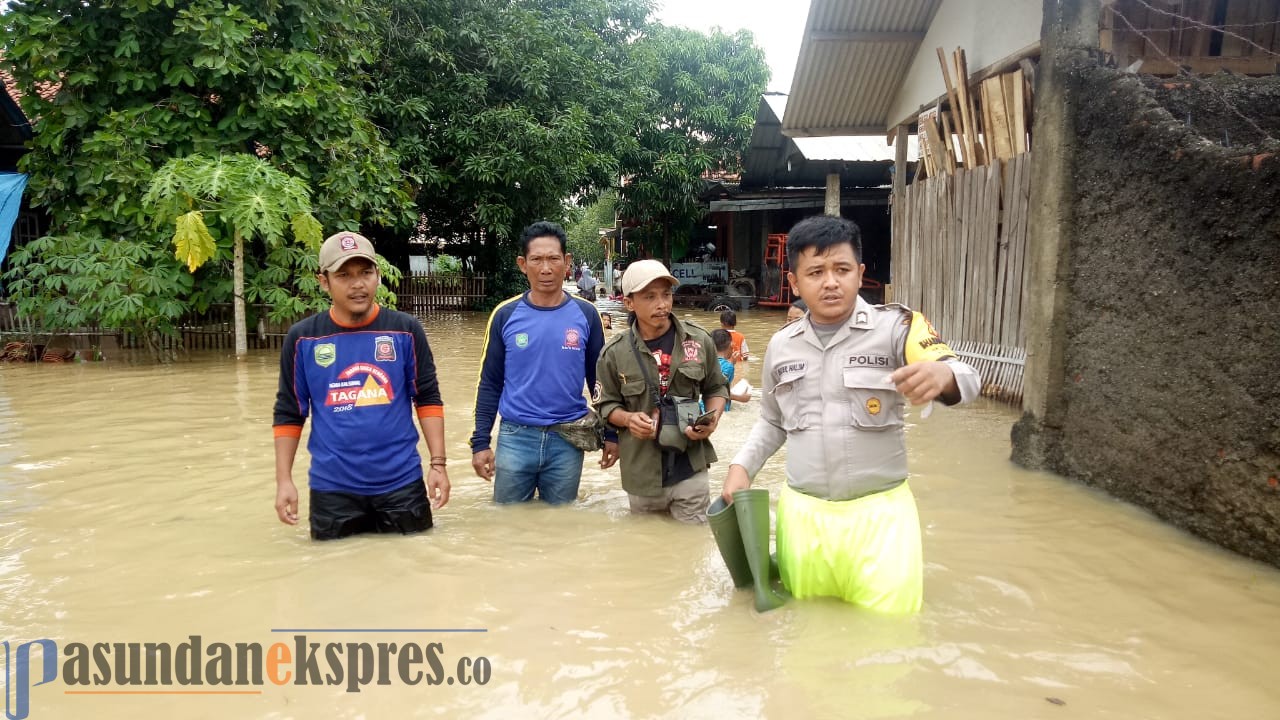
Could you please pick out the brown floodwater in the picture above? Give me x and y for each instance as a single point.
(136, 506)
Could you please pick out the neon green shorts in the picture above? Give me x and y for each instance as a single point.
(864, 551)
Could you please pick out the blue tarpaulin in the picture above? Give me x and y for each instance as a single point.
(11, 187)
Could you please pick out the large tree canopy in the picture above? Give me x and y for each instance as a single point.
(144, 81)
(501, 110)
(459, 120)
(704, 91)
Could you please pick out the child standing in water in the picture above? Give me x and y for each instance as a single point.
(724, 348)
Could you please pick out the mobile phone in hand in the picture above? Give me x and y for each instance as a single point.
(706, 418)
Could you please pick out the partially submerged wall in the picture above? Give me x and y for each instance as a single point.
(1170, 392)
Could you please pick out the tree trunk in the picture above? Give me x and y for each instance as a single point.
(666, 243)
(237, 292)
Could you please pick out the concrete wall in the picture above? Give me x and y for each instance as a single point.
(987, 30)
(1168, 394)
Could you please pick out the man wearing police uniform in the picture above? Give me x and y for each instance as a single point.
(834, 388)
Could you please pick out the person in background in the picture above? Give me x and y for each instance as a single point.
(539, 354)
(739, 352)
(587, 284)
(835, 385)
(724, 344)
(361, 372)
(796, 310)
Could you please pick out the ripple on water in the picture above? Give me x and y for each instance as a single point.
(136, 502)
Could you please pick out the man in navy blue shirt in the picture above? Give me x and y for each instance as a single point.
(540, 352)
(361, 372)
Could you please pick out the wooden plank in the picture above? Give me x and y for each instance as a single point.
(952, 286)
(899, 161)
(1160, 32)
(1002, 247)
(968, 133)
(977, 255)
(947, 142)
(1018, 112)
(988, 125)
(1007, 229)
(1135, 46)
(1001, 136)
(1266, 34)
(953, 102)
(959, 192)
(926, 149)
(1106, 29)
(968, 212)
(930, 132)
(1239, 12)
(928, 288)
(945, 219)
(992, 215)
(968, 271)
(1013, 231)
(979, 149)
(1202, 35)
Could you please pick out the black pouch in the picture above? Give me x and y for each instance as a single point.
(674, 415)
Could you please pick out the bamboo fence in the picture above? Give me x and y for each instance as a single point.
(959, 248)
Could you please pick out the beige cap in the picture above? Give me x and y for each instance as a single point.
(642, 272)
(341, 247)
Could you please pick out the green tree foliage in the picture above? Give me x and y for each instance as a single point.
(488, 115)
(247, 196)
(143, 81)
(501, 110)
(583, 230)
(705, 91)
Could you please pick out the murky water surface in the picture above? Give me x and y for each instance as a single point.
(136, 506)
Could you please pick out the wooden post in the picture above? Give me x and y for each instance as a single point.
(832, 206)
(899, 163)
(898, 210)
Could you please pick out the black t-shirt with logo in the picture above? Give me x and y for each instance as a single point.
(675, 465)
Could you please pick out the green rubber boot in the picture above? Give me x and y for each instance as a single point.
(752, 507)
(724, 527)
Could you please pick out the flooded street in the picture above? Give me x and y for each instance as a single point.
(136, 506)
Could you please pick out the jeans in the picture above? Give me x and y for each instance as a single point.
(532, 458)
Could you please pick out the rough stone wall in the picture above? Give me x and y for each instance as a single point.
(1172, 357)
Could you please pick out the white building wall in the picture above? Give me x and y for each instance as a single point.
(988, 30)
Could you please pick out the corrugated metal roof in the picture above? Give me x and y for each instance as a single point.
(859, 148)
(853, 58)
(774, 160)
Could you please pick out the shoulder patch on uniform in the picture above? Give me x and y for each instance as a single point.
(695, 326)
(617, 338)
(903, 311)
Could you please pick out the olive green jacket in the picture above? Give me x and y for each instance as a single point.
(695, 373)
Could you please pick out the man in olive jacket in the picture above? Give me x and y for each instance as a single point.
(660, 355)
